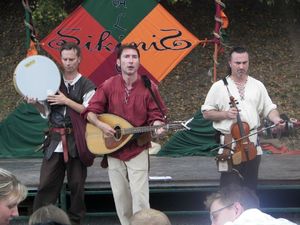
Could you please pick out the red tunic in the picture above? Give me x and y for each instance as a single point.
(136, 106)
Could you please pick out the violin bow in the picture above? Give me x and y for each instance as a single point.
(234, 141)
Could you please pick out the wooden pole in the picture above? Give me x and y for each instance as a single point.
(218, 25)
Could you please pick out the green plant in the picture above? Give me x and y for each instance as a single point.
(47, 15)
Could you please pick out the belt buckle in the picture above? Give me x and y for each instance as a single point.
(68, 130)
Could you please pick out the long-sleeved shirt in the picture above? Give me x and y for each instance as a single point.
(256, 102)
(135, 105)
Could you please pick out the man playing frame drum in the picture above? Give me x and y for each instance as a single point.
(37, 76)
(65, 148)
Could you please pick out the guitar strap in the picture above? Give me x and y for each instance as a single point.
(224, 160)
(225, 81)
(226, 84)
(227, 137)
(147, 84)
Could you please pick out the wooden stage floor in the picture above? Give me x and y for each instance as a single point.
(172, 172)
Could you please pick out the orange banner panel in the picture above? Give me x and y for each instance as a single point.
(162, 40)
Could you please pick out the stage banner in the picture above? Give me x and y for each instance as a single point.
(98, 26)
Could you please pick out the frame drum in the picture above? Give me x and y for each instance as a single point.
(37, 77)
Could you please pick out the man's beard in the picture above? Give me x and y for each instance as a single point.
(241, 73)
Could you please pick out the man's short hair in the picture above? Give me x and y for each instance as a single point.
(149, 217)
(69, 46)
(120, 48)
(237, 49)
(234, 193)
(49, 215)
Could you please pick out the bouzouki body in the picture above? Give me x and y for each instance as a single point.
(99, 144)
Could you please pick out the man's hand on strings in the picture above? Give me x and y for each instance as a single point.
(107, 130)
(159, 131)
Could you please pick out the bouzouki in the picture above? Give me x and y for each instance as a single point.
(100, 144)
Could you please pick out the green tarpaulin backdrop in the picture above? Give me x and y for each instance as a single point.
(199, 140)
(22, 133)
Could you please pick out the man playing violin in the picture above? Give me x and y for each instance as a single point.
(251, 100)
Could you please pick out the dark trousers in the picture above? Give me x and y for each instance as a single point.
(245, 174)
(51, 180)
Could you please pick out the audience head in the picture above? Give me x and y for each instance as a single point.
(149, 217)
(229, 203)
(49, 215)
(12, 192)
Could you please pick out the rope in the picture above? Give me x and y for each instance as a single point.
(30, 31)
(217, 35)
(220, 3)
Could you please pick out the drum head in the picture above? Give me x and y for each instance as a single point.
(36, 77)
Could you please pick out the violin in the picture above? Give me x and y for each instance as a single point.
(245, 150)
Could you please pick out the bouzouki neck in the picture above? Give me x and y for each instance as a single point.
(137, 130)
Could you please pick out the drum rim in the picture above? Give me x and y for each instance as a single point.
(20, 92)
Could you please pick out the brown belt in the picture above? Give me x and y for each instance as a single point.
(63, 131)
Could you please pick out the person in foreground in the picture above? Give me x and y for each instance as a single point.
(49, 215)
(240, 96)
(149, 217)
(12, 192)
(126, 96)
(65, 148)
(237, 205)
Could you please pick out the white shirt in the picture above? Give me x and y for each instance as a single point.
(257, 217)
(86, 98)
(256, 103)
